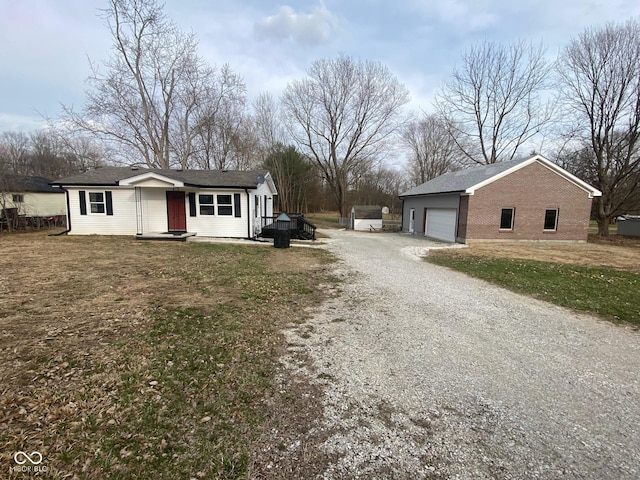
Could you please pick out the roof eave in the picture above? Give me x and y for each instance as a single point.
(448, 192)
(593, 192)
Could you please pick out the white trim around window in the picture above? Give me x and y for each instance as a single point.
(507, 217)
(97, 203)
(550, 220)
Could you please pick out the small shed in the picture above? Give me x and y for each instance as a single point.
(366, 217)
(629, 225)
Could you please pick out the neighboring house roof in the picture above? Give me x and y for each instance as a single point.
(25, 183)
(468, 180)
(107, 176)
(369, 212)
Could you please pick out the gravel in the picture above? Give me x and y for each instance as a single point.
(427, 373)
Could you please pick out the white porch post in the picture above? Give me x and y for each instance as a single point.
(139, 222)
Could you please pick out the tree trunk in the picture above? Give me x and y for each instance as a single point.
(603, 226)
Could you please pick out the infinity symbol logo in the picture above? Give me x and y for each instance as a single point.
(26, 458)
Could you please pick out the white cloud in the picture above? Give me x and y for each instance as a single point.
(20, 123)
(308, 29)
(461, 14)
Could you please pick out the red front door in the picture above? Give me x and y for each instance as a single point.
(177, 215)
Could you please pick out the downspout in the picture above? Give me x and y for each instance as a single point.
(66, 192)
(402, 215)
(249, 236)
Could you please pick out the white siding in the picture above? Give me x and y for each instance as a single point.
(38, 204)
(154, 210)
(154, 213)
(219, 225)
(265, 206)
(122, 222)
(366, 224)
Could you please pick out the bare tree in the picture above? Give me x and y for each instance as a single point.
(267, 123)
(150, 99)
(433, 150)
(600, 80)
(14, 152)
(494, 101)
(342, 116)
(220, 121)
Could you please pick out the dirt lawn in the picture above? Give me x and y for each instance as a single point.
(614, 252)
(91, 341)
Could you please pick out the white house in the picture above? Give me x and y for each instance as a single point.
(148, 202)
(30, 196)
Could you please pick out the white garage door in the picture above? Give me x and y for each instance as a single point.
(441, 224)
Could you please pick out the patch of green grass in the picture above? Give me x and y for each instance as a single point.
(325, 220)
(614, 294)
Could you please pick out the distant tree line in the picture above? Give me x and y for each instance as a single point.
(336, 136)
(46, 154)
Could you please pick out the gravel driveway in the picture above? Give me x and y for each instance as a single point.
(427, 373)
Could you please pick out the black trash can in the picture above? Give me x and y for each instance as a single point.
(282, 234)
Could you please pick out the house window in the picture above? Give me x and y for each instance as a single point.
(506, 218)
(206, 205)
(550, 219)
(96, 202)
(17, 198)
(225, 205)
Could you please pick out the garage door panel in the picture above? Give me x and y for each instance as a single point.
(441, 224)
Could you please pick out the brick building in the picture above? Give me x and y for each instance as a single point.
(530, 199)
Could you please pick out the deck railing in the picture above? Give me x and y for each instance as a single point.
(300, 227)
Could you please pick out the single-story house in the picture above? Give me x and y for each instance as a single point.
(529, 199)
(366, 217)
(30, 196)
(147, 202)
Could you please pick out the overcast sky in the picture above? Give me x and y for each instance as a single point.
(45, 45)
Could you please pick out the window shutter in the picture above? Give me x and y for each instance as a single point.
(83, 202)
(236, 205)
(192, 204)
(109, 202)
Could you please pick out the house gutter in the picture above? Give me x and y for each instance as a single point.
(66, 195)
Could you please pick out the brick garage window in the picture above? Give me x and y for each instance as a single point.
(550, 219)
(506, 218)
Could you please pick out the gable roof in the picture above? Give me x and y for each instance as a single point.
(25, 183)
(369, 212)
(469, 180)
(112, 176)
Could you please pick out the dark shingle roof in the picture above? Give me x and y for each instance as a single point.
(462, 179)
(24, 183)
(369, 212)
(197, 178)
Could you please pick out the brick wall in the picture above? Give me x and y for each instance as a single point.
(530, 190)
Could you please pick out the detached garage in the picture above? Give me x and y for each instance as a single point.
(530, 199)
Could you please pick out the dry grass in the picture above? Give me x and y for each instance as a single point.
(144, 360)
(613, 252)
